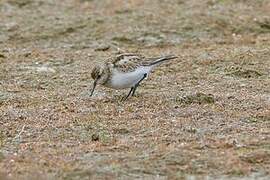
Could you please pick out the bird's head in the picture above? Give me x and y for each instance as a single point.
(97, 72)
(99, 75)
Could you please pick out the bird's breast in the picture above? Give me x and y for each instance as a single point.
(122, 80)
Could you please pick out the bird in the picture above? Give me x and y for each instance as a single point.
(125, 70)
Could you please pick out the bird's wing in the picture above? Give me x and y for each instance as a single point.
(128, 62)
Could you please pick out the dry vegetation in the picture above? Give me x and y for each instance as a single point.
(207, 114)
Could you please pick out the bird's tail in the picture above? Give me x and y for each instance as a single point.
(161, 59)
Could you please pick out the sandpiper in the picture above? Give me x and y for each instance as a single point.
(126, 70)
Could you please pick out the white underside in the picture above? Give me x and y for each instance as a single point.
(123, 80)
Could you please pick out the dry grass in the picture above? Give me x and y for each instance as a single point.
(207, 114)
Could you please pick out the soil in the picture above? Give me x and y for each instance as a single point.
(203, 115)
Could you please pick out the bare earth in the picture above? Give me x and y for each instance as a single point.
(203, 115)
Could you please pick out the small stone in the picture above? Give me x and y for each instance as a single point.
(95, 137)
(2, 56)
(102, 48)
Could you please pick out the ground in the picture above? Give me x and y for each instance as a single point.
(205, 114)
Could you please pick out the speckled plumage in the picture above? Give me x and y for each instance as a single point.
(125, 70)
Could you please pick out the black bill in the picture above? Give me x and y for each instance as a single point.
(94, 86)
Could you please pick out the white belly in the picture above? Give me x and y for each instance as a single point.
(122, 80)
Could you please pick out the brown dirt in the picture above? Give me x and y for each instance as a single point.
(207, 114)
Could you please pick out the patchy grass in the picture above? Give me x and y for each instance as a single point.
(198, 98)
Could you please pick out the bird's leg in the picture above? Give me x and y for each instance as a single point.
(125, 98)
(135, 87)
(138, 83)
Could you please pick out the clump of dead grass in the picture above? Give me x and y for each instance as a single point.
(197, 98)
